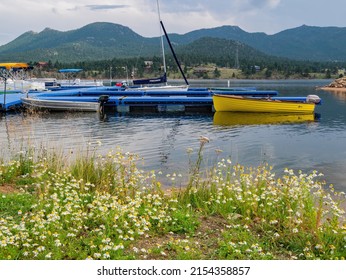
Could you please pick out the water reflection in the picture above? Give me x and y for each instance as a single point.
(339, 94)
(234, 118)
(5, 133)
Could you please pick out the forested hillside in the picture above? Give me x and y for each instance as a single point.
(300, 52)
(104, 40)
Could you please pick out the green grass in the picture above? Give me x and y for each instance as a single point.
(103, 207)
(13, 205)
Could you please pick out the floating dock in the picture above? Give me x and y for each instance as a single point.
(10, 101)
(193, 99)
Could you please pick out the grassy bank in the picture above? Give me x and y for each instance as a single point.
(104, 207)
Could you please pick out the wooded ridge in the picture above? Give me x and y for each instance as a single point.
(102, 40)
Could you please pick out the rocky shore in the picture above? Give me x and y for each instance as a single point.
(338, 84)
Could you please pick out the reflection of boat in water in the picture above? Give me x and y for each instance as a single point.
(236, 118)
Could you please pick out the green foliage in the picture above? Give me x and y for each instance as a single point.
(20, 167)
(103, 207)
(13, 205)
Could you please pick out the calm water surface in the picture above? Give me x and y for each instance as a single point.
(309, 143)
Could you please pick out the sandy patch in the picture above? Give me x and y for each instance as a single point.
(8, 189)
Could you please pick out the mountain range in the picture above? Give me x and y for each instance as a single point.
(102, 40)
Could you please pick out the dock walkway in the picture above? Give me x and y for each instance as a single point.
(10, 101)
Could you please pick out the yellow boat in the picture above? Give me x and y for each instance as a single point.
(232, 103)
(241, 118)
(11, 65)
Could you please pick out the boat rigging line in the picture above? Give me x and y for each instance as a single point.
(174, 55)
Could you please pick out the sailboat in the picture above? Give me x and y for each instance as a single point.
(144, 84)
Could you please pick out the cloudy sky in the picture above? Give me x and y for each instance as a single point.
(179, 16)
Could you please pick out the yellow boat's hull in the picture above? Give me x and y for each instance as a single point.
(241, 118)
(10, 65)
(231, 103)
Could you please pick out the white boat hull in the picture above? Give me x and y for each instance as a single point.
(57, 105)
(160, 88)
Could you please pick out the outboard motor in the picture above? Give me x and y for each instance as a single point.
(311, 98)
(103, 99)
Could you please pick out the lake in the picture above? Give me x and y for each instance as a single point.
(162, 140)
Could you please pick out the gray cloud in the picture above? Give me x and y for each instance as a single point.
(180, 16)
(218, 9)
(264, 3)
(105, 7)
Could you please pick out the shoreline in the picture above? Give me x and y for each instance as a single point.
(332, 89)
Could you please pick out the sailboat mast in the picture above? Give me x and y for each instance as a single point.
(162, 44)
